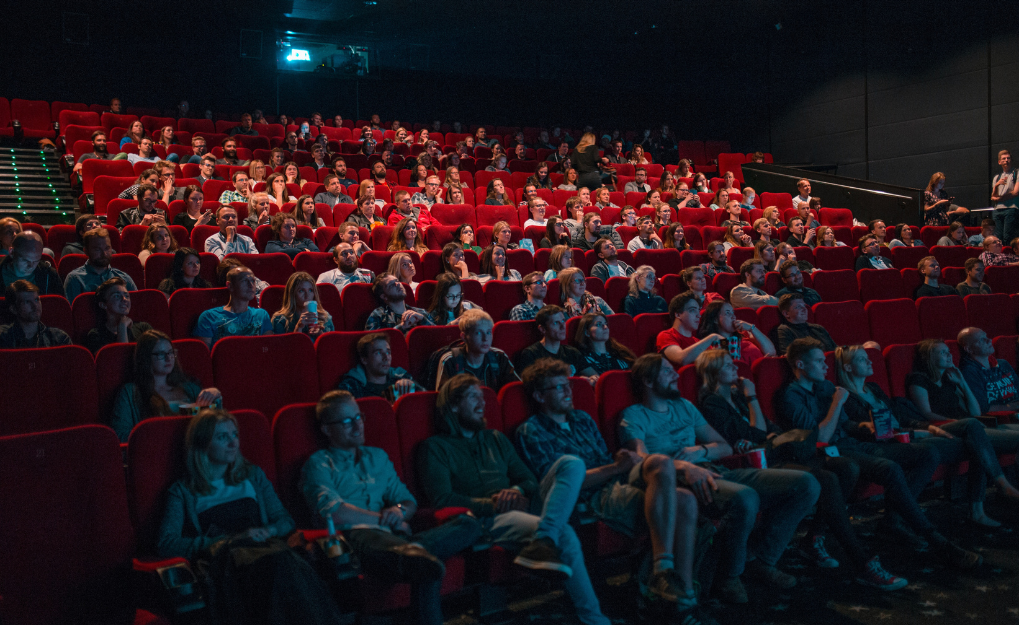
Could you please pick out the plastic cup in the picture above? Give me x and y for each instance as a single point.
(902, 437)
(311, 307)
(756, 459)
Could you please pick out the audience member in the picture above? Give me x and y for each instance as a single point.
(870, 255)
(974, 283)
(647, 238)
(284, 237)
(938, 207)
(333, 193)
(259, 209)
(301, 309)
(448, 303)
(902, 236)
(608, 265)
(207, 170)
(466, 464)
(930, 271)
(393, 311)
(764, 251)
(21, 299)
(157, 240)
(992, 380)
(112, 307)
(551, 324)
(349, 232)
(237, 317)
(956, 235)
(464, 234)
(230, 154)
(734, 214)
(97, 269)
(375, 375)
(402, 266)
(639, 182)
(537, 208)
(601, 352)
(305, 213)
(717, 264)
(694, 280)
(992, 255)
(792, 277)
(575, 297)
(193, 213)
(750, 292)
(476, 356)
(357, 488)
(82, 225)
(159, 387)
(364, 216)
(452, 261)
(24, 262)
(535, 288)
(680, 344)
(742, 339)
(826, 238)
(643, 294)
(799, 236)
(184, 272)
(493, 266)
(241, 190)
(407, 237)
(803, 186)
(1004, 194)
(735, 237)
(99, 151)
(431, 195)
(795, 312)
(347, 270)
(228, 240)
(146, 213)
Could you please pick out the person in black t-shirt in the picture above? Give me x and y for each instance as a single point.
(551, 322)
(930, 271)
(113, 305)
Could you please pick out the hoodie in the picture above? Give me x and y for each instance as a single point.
(460, 471)
(45, 277)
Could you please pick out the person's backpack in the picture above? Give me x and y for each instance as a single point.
(431, 373)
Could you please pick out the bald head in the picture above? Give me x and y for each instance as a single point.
(27, 241)
(970, 337)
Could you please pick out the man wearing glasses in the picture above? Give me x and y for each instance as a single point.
(207, 170)
(357, 487)
(870, 255)
(535, 288)
(477, 357)
(431, 195)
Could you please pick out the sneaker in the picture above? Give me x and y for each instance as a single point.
(770, 575)
(874, 575)
(664, 586)
(731, 591)
(541, 554)
(959, 557)
(414, 564)
(694, 616)
(818, 554)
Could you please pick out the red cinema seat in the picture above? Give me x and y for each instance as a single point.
(696, 217)
(423, 341)
(836, 286)
(724, 283)
(614, 393)
(358, 302)
(908, 257)
(501, 297)
(63, 496)
(516, 408)
(690, 258)
(1002, 279)
(881, 284)
(835, 258)
(991, 313)
(781, 200)
(664, 261)
(155, 458)
(186, 305)
(273, 268)
(455, 214)
(846, 321)
(336, 354)
(34, 116)
(513, 336)
(736, 256)
(491, 215)
(94, 168)
(616, 290)
(63, 389)
(56, 313)
(835, 217)
(941, 317)
(770, 373)
(647, 326)
(236, 359)
(899, 364)
(315, 263)
(893, 321)
(1005, 349)
(954, 256)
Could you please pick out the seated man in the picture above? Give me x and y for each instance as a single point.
(535, 289)
(628, 492)
(207, 170)
(145, 213)
(237, 318)
(809, 401)
(393, 312)
(21, 299)
(241, 191)
(751, 293)
(244, 128)
(476, 357)
(679, 344)
(608, 265)
(99, 151)
(551, 322)
(803, 186)
(198, 152)
(230, 154)
(803, 212)
(930, 271)
(992, 380)
(333, 193)
(718, 264)
(974, 283)
(664, 423)
(347, 270)
(799, 234)
(228, 240)
(639, 182)
(340, 169)
(870, 254)
(375, 375)
(986, 230)
(647, 238)
(792, 277)
(465, 464)
(590, 230)
(97, 269)
(350, 232)
(24, 262)
(405, 207)
(431, 196)
(357, 488)
(879, 231)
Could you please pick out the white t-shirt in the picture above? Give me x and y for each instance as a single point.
(534, 222)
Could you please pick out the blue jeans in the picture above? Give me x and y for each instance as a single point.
(782, 497)
(557, 495)
(442, 542)
(1006, 224)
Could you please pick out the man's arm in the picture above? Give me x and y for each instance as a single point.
(826, 428)
(679, 356)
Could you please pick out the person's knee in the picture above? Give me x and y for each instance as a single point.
(659, 468)
(809, 486)
(745, 502)
(571, 467)
(929, 455)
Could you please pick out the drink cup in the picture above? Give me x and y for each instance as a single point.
(756, 459)
(311, 307)
(902, 437)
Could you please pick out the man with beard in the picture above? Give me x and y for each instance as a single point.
(608, 265)
(230, 154)
(347, 270)
(394, 311)
(146, 213)
(375, 375)
(98, 151)
(466, 464)
(751, 293)
(244, 128)
(97, 269)
(340, 170)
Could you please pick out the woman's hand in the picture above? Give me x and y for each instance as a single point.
(208, 396)
(306, 320)
(742, 446)
(936, 431)
(204, 218)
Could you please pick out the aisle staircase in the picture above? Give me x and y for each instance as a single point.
(32, 187)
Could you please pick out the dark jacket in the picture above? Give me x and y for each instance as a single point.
(45, 277)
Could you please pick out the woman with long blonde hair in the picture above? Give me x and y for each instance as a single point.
(295, 313)
(406, 237)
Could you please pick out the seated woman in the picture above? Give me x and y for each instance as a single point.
(643, 296)
(784, 252)
(557, 232)
(826, 238)
(902, 236)
(418, 176)
(744, 341)
(729, 183)
(956, 235)
(159, 387)
(675, 238)
(81, 225)
(601, 352)
(720, 200)
(729, 405)
(365, 216)
(697, 283)
(406, 237)
(653, 198)
(184, 273)
(938, 207)
(734, 215)
(684, 169)
(222, 497)
(666, 184)
(452, 178)
(402, 266)
(570, 179)
(700, 184)
(493, 265)
(166, 138)
(304, 213)
(663, 216)
(502, 235)
(498, 163)
(773, 215)
(637, 156)
(258, 210)
(602, 198)
(559, 259)
(149, 176)
(276, 187)
(735, 237)
(497, 195)
(301, 309)
(292, 174)
(764, 251)
(284, 237)
(256, 171)
(447, 301)
(464, 234)
(764, 232)
(157, 240)
(113, 305)
(455, 195)
(193, 215)
(965, 439)
(537, 207)
(453, 262)
(574, 296)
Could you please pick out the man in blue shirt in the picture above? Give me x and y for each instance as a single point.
(97, 269)
(236, 318)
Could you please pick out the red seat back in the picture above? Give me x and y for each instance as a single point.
(273, 268)
(237, 361)
(1002, 279)
(893, 321)
(881, 284)
(501, 297)
(513, 336)
(614, 393)
(941, 317)
(770, 373)
(647, 326)
(991, 313)
(846, 321)
(186, 305)
(833, 258)
(47, 389)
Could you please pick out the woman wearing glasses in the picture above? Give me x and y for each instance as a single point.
(159, 388)
(448, 302)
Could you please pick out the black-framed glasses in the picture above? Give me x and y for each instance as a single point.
(346, 423)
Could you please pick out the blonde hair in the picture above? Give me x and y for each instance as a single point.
(288, 308)
(394, 265)
(565, 277)
(148, 242)
(200, 433)
(470, 320)
(708, 365)
(639, 274)
(844, 354)
(586, 141)
(251, 170)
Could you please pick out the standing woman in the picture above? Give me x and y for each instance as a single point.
(938, 209)
(157, 240)
(587, 162)
(294, 314)
(184, 273)
(224, 497)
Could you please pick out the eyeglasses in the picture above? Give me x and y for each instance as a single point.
(167, 355)
(454, 296)
(345, 423)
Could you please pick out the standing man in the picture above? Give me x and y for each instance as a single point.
(1005, 197)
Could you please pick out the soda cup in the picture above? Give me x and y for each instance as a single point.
(311, 307)
(756, 459)
(902, 437)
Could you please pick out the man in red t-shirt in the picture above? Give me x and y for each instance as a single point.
(680, 344)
